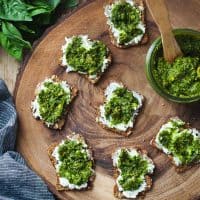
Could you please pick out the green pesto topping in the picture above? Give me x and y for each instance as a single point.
(120, 108)
(76, 166)
(181, 78)
(180, 142)
(89, 61)
(198, 72)
(52, 102)
(133, 170)
(126, 18)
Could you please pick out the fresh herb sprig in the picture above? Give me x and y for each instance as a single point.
(23, 21)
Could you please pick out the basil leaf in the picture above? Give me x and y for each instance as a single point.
(42, 10)
(12, 41)
(39, 7)
(11, 46)
(54, 3)
(8, 28)
(22, 21)
(71, 3)
(15, 10)
(25, 28)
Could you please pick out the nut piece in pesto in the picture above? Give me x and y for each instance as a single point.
(125, 19)
(74, 164)
(51, 103)
(132, 170)
(179, 142)
(120, 108)
(88, 57)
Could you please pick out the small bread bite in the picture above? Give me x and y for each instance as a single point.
(52, 101)
(87, 57)
(126, 21)
(132, 168)
(180, 142)
(120, 108)
(74, 164)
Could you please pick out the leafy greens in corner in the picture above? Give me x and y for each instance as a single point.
(23, 21)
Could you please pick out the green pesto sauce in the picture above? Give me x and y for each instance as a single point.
(76, 166)
(89, 61)
(186, 81)
(52, 102)
(181, 78)
(133, 170)
(180, 142)
(120, 108)
(125, 18)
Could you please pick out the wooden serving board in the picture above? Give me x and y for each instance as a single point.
(127, 67)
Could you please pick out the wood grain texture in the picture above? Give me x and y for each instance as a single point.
(128, 67)
(8, 69)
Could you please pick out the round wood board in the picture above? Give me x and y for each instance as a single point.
(128, 67)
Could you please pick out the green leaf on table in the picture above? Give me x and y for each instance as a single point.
(39, 7)
(71, 3)
(44, 19)
(11, 47)
(10, 29)
(41, 10)
(15, 10)
(24, 28)
(12, 41)
(54, 3)
(23, 21)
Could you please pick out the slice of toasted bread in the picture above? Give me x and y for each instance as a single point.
(123, 133)
(129, 130)
(178, 168)
(61, 121)
(51, 149)
(119, 194)
(91, 79)
(144, 39)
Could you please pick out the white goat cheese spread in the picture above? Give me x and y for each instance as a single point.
(35, 106)
(87, 44)
(151, 166)
(116, 32)
(108, 94)
(63, 180)
(167, 127)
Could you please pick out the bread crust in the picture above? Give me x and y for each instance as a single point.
(60, 123)
(50, 150)
(93, 81)
(180, 168)
(145, 37)
(129, 131)
(118, 194)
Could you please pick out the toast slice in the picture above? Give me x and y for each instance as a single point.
(143, 187)
(61, 181)
(174, 134)
(59, 122)
(97, 61)
(114, 32)
(122, 128)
